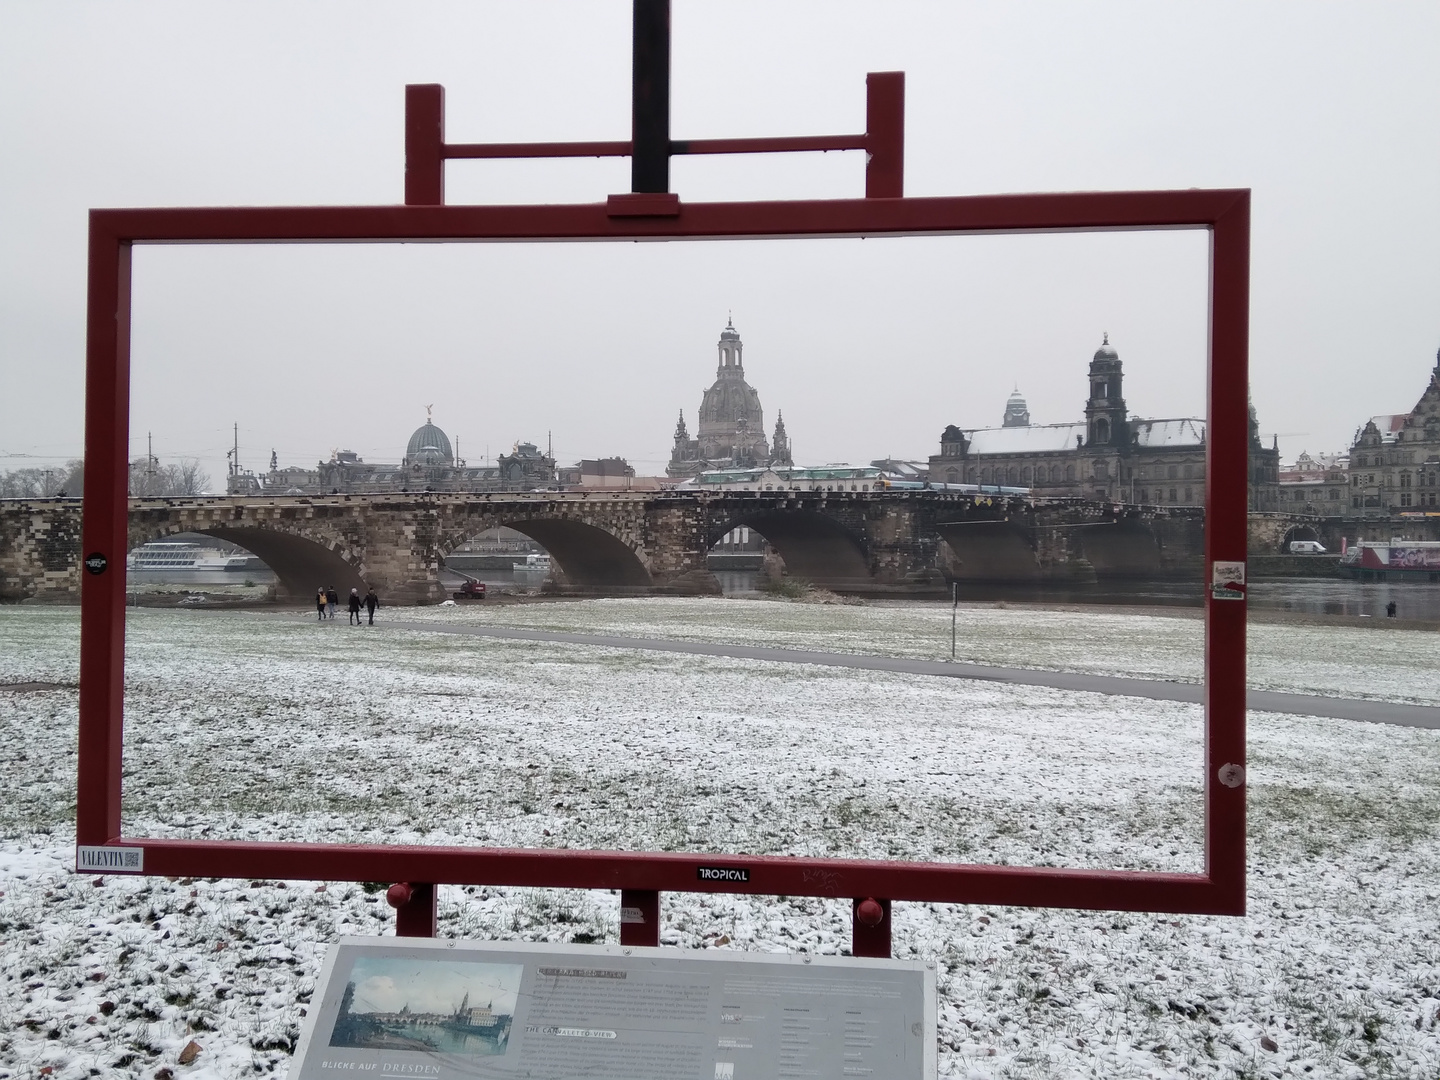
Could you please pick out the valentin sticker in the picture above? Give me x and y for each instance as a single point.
(104, 859)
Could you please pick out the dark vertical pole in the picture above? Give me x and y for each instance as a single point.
(104, 531)
(1226, 534)
(885, 134)
(639, 917)
(870, 927)
(954, 613)
(424, 145)
(650, 117)
(415, 908)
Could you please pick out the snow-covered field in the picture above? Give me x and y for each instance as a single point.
(1338, 661)
(261, 726)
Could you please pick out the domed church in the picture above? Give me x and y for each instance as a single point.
(430, 464)
(429, 447)
(731, 433)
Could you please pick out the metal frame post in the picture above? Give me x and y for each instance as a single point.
(425, 145)
(870, 927)
(885, 135)
(105, 536)
(416, 908)
(650, 98)
(1227, 477)
(639, 917)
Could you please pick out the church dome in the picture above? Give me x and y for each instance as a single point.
(429, 446)
(1106, 350)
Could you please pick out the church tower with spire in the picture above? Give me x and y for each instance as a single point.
(780, 443)
(1105, 413)
(686, 452)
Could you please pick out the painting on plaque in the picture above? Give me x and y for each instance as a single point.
(427, 1006)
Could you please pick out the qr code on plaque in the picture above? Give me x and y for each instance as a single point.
(131, 858)
(724, 1070)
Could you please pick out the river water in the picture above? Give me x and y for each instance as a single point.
(1319, 596)
(1316, 596)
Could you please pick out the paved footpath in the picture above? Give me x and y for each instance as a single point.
(1377, 712)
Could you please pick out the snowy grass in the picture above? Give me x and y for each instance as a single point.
(252, 726)
(1338, 661)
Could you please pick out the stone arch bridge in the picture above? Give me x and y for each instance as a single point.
(633, 543)
(1270, 534)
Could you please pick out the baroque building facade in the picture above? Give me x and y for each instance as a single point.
(1109, 456)
(731, 423)
(429, 464)
(1395, 459)
(1316, 484)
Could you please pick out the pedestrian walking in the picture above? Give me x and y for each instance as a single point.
(332, 600)
(355, 606)
(320, 603)
(371, 603)
(1390, 610)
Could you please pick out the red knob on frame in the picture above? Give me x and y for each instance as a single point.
(870, 912)
(399, 894)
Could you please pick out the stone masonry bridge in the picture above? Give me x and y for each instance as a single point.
(633, 543)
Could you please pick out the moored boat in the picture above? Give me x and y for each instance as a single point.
(186, 555)
(1394, 560)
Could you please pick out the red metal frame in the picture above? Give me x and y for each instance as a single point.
(426, 150)
(1219, 889)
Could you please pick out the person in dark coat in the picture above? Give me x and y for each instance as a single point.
(355, 606)
(320, 603)
(332, 600)
(371, 603)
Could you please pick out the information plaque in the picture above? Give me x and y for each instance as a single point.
(414, 1007)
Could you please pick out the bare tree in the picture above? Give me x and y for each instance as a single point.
(150, 479)
(34, 483)
(145, 477)
(75, 478)
(188, 478)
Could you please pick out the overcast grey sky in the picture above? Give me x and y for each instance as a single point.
(1328, 111)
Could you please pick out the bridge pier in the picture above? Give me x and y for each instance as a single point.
(40, 550)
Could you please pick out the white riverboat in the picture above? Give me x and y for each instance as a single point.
(162, 555)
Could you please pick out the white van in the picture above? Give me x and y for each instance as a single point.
(1306, 547)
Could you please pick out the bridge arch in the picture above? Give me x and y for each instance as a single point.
(587, 555)
(1297, 532)
(989, 550)
(301, 563)
(1126, 547)
(813, 545)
